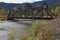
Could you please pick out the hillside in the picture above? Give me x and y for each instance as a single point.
(51, 4)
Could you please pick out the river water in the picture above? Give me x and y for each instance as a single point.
(7, 26)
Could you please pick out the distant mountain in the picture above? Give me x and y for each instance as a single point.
(51, 3)
(7, 5)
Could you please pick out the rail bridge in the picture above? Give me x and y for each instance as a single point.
(42, 12)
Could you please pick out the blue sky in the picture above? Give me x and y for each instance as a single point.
(19, 1)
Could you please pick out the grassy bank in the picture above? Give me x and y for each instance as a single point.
(39, 31)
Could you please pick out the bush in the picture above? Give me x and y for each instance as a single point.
(57, 10)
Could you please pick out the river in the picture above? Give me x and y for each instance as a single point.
(7, 26)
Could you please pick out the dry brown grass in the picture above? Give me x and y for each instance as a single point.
(39, 31)
(12, 34)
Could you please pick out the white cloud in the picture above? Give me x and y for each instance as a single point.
(18, 1)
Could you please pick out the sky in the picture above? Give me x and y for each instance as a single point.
(19, 1)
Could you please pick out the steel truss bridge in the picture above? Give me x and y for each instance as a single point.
(34, 13)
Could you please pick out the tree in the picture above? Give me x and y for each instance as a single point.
(2, 14)
(56, 11)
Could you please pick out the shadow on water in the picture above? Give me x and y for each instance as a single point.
(30, 21)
